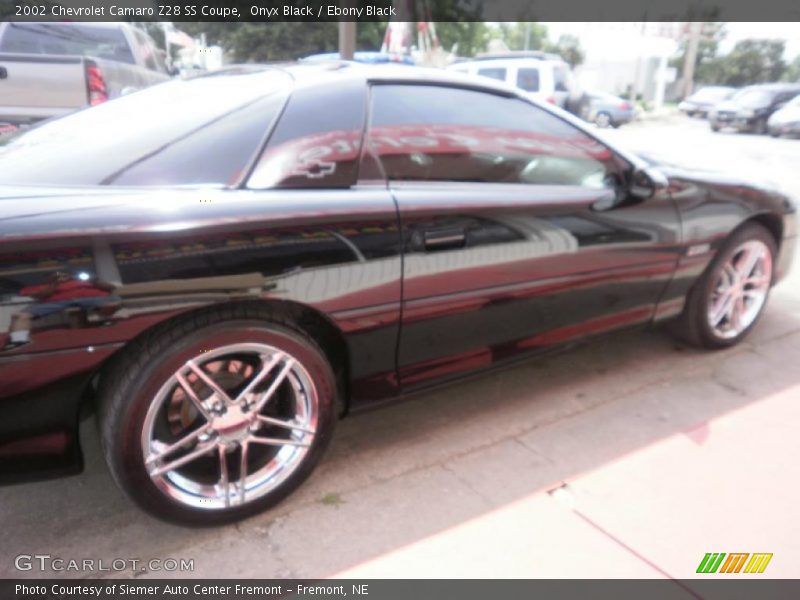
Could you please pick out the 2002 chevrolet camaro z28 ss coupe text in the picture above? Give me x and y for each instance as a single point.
(218, 268)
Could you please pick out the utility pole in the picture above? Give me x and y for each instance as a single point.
(347, 40)
(695, 30)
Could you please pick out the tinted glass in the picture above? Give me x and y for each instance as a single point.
(317, 142)
(528, 79)
(433, 133)
(62, 38)
(494, 73)
(199, 130)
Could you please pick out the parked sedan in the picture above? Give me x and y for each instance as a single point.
(606, 110)
(751, 107)
(786, 121)
(219, 268)
(705, 99)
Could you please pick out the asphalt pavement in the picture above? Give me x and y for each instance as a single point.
(631, 456)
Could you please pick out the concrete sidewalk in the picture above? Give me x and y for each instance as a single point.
(729, 485)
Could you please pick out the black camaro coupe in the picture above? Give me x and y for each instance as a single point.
(218, 268)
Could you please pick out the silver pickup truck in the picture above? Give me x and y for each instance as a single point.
(49, 69)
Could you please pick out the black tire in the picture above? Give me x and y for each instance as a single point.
(692, 325)
(131, 385)
(714, 127)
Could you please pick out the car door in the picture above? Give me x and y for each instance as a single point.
(517, 232)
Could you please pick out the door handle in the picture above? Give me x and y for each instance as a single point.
(443, 239)
(3, 73)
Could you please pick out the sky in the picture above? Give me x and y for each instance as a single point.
(615, 45)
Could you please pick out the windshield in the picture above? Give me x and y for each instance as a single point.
(67, 38)
(152, 137)
(753, 98)
(711, 94)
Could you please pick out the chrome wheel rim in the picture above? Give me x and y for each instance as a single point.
(229, 426)
(603, 120)
(740, 290)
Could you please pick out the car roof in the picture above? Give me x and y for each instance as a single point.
(319, 72)
(774, 87)
(488, 63)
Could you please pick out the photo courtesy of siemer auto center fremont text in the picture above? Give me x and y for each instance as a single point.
(402, 298)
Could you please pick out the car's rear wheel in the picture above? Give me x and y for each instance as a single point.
(209, 423)
(726, 302)
(603, 119)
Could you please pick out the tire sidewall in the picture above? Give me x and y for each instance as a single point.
(708, 282)
(124, 432)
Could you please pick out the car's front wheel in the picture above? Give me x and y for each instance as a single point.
(727, 300)
(216, 418)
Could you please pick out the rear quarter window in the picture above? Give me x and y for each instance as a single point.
(162, 135)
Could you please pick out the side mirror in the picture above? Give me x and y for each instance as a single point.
(646, 182)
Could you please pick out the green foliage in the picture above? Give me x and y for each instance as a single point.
(792, 73)
(515, 35)
(750, 62)
(470, 37)
(569, 48)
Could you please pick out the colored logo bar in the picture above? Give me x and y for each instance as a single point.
(720, 562)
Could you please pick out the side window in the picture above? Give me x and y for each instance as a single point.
(437, 133)
(317, 142)
(494, 73)
(528, 79)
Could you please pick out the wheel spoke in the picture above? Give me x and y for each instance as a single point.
(736, 313)
(190, 393)
(277, 442)
(243, 472)
(721, 309)
(757, 281)
(208, 381)
(197, 453)
(179, 444)
(266, 369)
(290, 425)
(224, 481)
(747, 262)
(274, 385)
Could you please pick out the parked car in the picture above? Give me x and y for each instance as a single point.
(541, 75)
(607, 110)
(374, 58)
(786, 121)
(751, 107)
(225, 266)
(50, 69)
(705, 99)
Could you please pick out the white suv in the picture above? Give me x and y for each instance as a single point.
(544, 76)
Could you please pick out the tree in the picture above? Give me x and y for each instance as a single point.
(515, 35)
(705, 65)
(792, 73)
(471, 37)
(751, 61)
(569, 48)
